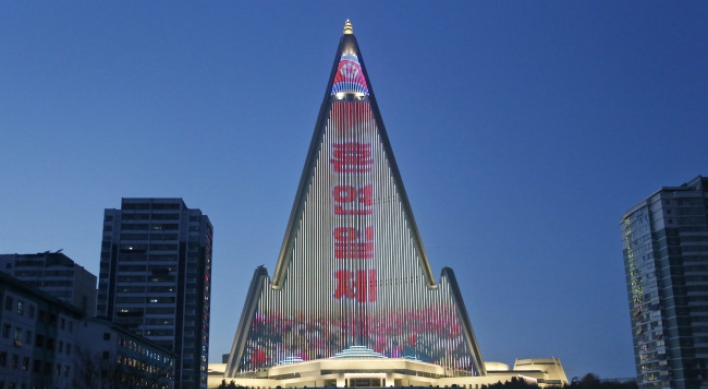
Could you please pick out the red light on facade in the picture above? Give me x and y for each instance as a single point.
(351, 243)
(360, 285)
(353, 201)
(351, 157)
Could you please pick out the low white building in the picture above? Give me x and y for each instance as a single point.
(362, 367)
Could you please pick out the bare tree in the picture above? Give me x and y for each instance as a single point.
(96, 372)
(87, 370)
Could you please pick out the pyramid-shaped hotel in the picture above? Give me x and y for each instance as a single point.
(353, 300)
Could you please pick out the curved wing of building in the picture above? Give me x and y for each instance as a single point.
(352, 269)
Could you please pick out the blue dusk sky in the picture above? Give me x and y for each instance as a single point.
(523, 131)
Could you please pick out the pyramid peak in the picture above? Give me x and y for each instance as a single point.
(348, 29)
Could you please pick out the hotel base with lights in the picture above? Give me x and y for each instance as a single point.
(388, 372)
(353, 300)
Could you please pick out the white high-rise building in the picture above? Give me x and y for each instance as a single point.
(665, 242)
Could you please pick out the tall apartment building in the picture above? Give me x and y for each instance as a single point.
(665, 241)
(56, 274)
(155, 279)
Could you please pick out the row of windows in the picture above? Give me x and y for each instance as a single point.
(139, 312)
(160, 321)
(686, 201)
(156, 332)
(154, 269)
(57, 283)
(152, 237)
(147, 216)
(695, 288)
(141, 257)
(149, 300)
(14, 362)
(686, 211)
(39, 340)
(150, 289)
(146, 226)
(141, 248)
(693, 238)
(688, 220)
(48, 273)
(693, 228)
(696, 278)
(154, 206)
(694, 268)
(142, 350)
(21, 308)
(694, 248)
(139, 365)
(152, 278)
(29, 263)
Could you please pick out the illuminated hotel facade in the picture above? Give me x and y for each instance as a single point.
(353, 300)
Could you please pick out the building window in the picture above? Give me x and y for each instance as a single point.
(60, 349)
(28, 337)
(15, 361)
(71, 326)
(39, 341)
(106, 355)
(8, 303)
(6, 330)
(106, 336)
(63, 323)
(30, 311)
(20, 307)
(17, 336)
(3, 359)
(25, 363)
(68, 349)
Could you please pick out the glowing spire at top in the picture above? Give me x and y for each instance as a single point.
(348, 29)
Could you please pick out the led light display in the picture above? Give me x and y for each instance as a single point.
(352, 270)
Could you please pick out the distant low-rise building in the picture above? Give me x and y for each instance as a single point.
(48, 343)
(111, 355)
(38, 336)
(54, 273)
